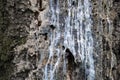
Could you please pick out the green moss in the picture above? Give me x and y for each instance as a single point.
(22, 41)
(4, 57)
(7, 43)
(7, 46)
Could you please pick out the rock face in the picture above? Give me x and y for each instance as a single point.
(26, 28)
(13, 23)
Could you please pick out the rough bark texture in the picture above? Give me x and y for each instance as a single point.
(24, 40)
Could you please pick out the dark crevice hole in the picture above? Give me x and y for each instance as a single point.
(113, 68)
(73, 3)
(119, 15)
(116, 0)
(40, 5)
(41, 9)
(70, 57)
(39, 23)
(103, 20)
(45, 35)
(71, 64)
(52, 27)
(36, 14)
(63, 47)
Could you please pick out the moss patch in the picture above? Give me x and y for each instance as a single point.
(7, 42)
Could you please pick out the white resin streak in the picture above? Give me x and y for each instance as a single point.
(77, 21)
(81, 17)
(89, 62)
(51, 67)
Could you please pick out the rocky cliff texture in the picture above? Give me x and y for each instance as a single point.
(24, 40)
(13, 23)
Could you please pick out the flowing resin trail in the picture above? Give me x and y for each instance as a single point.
(76, 35)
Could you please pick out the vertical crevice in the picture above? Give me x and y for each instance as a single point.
(71, 63)
(40, 3)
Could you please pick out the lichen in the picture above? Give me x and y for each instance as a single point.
(7, 44)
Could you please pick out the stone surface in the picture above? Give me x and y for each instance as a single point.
(24, 40)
